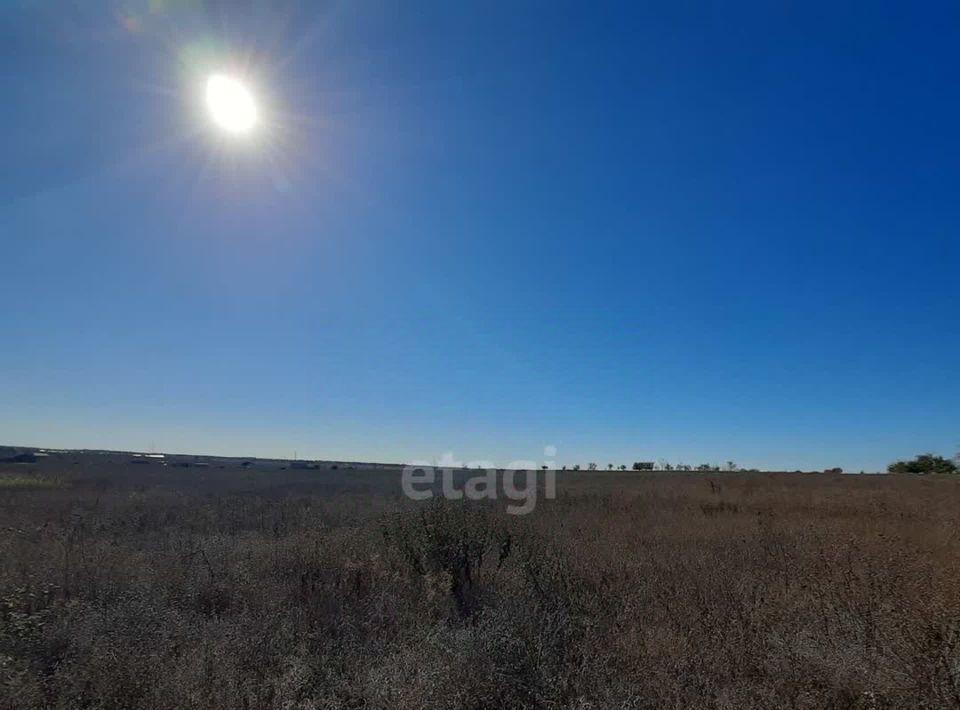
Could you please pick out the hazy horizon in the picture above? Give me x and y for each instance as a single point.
(450, 457)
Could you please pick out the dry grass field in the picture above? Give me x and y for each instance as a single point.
(128, 586)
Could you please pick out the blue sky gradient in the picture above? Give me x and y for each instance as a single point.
(633, 231)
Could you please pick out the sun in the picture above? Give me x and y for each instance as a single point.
(231, 105)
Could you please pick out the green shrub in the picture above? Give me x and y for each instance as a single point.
(925, 463)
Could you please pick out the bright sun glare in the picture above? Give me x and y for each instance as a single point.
(231, 104)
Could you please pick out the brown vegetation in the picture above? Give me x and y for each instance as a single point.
(141, 587)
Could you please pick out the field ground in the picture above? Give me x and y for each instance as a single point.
(143, 586)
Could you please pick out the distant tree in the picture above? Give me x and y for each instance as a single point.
(564, 468)
(833, 470)
(610, 466)
(924, 463)
(592, 466)
(731, 466)
(704, 467)
(667, 466)
(576, 467)
(623, 467)
(544, 468)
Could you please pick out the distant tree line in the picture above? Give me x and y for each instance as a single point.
(925, 463)
(661, 465)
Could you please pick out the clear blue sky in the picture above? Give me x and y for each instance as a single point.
(693, 231)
